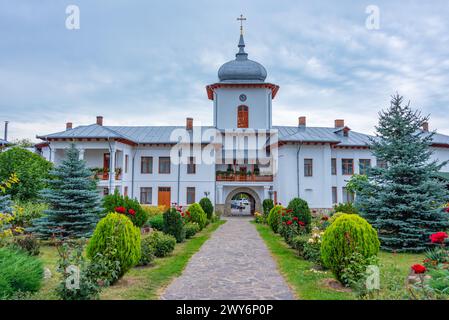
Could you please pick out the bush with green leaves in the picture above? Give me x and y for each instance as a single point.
(147, 252)
(19, 272)
(123, 204)
(347, 207)
(197, 215)
(27, 243)
(27, 211)
(274, 217)
(355, 272)
(191, 228)
(117, 234)
(156, 222)
(174, 224)
(162, 243)
(300, 209)
(208, 207)
(299, 242)
(153, 210)
(336, 215)
(267, 205)
(349, 233)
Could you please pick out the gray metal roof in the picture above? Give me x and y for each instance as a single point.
(242, 69)
(161, 134)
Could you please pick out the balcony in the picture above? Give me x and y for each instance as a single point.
(103, 173)
(249, 173)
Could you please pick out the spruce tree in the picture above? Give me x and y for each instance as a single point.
(403, 200)
(74, 202)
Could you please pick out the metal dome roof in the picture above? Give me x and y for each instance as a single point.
(242, 69)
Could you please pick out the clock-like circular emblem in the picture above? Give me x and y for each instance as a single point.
(242, 97)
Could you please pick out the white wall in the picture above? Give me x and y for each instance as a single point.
(441, 155)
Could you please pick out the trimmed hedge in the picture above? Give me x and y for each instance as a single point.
(19, 272)
(274, 217)
(174, 225)
(191, 228)
(116, 233)
(147, 252)
(116, 200)
(300, 209)
(197, 215)
(162, 243)
(207, 206)
(349, 233)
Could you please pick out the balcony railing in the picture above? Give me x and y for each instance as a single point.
(103, 174)
(243, 177)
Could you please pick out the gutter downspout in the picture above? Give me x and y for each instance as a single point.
(297, 166)
(179, 174)
(132, 173)
(110, 166)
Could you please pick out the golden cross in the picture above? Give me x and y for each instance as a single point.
(241, 19)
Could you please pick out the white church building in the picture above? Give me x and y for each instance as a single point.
(243, 152)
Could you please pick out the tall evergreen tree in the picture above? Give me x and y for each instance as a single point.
(402, 200)
(73, 200)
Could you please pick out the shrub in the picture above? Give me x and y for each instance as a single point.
(300, 209)
(197, 215)
(345, 208)
(191, 228)
(116, 233)
(28, 244)
(27, 211)
(355, 273)
(267, 205)
(335, 216)
(274, 217)
(207, 207)
(19, 272)
(299, 242)
(259, 218)
(173, 224)
(147, 252)
(349, 233)
(129, 207)
(156, 222)
(153, 210)
(162, 243)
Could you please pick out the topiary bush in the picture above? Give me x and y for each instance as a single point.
(116, 232)
(346, 208)
(147, 255)
(335, 216)
(197, 215)
(274, 217)
(131, 208)
(191, 228)
(173, 224)
(267, 205)
(207, 206)
(19, 272)
(156, 222)
(349, 233)
(300, 209)
(162, 243)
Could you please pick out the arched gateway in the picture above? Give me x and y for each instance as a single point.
(254, 200)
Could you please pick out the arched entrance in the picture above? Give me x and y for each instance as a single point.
(242, 201)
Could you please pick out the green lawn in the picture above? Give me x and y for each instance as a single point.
(308, 284)
(140, 282)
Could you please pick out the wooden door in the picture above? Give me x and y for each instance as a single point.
(163, 197)
(242, 117)
(106, 158)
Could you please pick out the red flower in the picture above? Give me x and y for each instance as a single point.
(301, 223)
(132, 212)
(324, 218)
(120, 209)
(289, 222)
(295, 218)
(447, 209)
(283, 214)
(418, 268)
(289, 211)
(188, 213)
(182, 214)
(438, 237)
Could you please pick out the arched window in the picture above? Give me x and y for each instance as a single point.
(242, 117)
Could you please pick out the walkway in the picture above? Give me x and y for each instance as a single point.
(233, 264)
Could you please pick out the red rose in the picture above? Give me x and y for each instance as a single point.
(418, 268)
(132, 212)
(289, 222)
(438, 237)
(295, 218)
(301, 223)
(120, 209)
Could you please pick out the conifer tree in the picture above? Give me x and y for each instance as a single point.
(74, 202)
(403, 199)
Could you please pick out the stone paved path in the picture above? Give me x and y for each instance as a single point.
(233, 264)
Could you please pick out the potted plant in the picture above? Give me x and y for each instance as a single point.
(118, 173)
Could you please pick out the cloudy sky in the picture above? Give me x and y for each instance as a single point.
(147, 62)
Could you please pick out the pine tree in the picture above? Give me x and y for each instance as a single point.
(5, 203)
(73, 200)
(403, 200)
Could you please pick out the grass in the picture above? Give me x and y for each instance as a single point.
(140, 283)
(309, 285)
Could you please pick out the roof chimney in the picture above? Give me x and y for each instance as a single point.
(100, 120)
(301, 121)
(6, 130)
(189, 123)
(425, 126)
(339, 123)
(68, 126)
